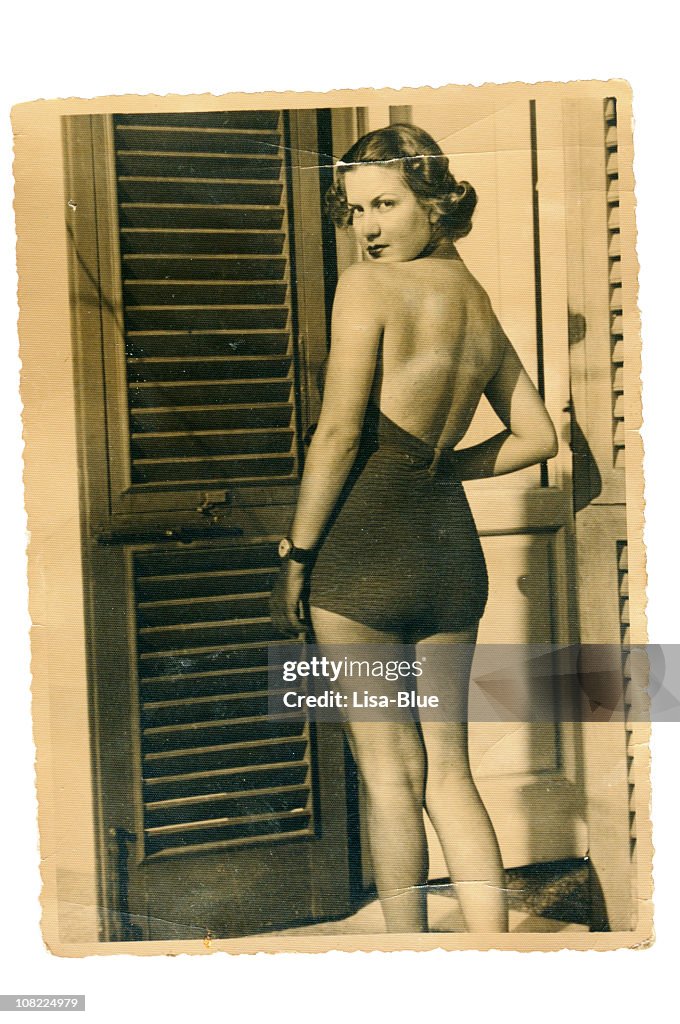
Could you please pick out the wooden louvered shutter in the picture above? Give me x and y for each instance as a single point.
(207, 369)
(217, 769)
(213, 320)
(599, 222)
(615, 287)
(208, 323)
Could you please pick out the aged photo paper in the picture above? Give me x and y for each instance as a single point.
(178, 270)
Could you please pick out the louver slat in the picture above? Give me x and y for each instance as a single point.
(208, 241)
(263, 751)
(242, 442)
(165, 164)
(215, 838)
(272, 414)
(217, 767)
(248, 120)
(227, 780)
(194, 345)
(213, 191)
(143, 370)
(175, 396)
(210, 268)
(196, 215)
(173, 318)
(202, 293)
(216, 707)
(184, 139)
(207, 299)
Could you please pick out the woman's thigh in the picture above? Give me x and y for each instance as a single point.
(389, 749)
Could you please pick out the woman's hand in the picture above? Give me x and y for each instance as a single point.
(286, 598)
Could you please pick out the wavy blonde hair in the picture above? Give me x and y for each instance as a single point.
(424, 168)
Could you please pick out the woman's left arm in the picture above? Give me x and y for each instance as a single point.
(356, 332)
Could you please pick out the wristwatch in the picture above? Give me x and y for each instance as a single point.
(287, 550)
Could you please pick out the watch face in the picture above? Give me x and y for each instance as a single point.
(285, 547)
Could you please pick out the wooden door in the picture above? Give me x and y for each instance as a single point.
(199, 314)
(529, 774)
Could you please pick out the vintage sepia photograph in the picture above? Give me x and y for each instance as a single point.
(336, 371)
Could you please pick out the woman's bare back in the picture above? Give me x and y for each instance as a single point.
(441, 346)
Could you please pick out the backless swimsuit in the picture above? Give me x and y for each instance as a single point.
(401, 551)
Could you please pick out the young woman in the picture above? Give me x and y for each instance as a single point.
(383, 536)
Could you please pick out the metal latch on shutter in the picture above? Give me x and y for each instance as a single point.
(213, 502)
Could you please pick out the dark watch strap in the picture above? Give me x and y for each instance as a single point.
(287, 550)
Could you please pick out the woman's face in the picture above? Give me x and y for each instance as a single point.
(389, 222)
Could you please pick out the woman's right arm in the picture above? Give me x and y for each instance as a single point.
(529, 437)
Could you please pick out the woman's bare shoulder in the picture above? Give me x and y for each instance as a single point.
(361, 275)
(376, 286)
(359, 303)
(362, 285)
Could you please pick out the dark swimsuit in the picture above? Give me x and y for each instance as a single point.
(401, 551)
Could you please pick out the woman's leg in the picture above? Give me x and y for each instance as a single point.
(391, 762)
(452, 800)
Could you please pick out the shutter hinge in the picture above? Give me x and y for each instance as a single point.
(125, 928)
